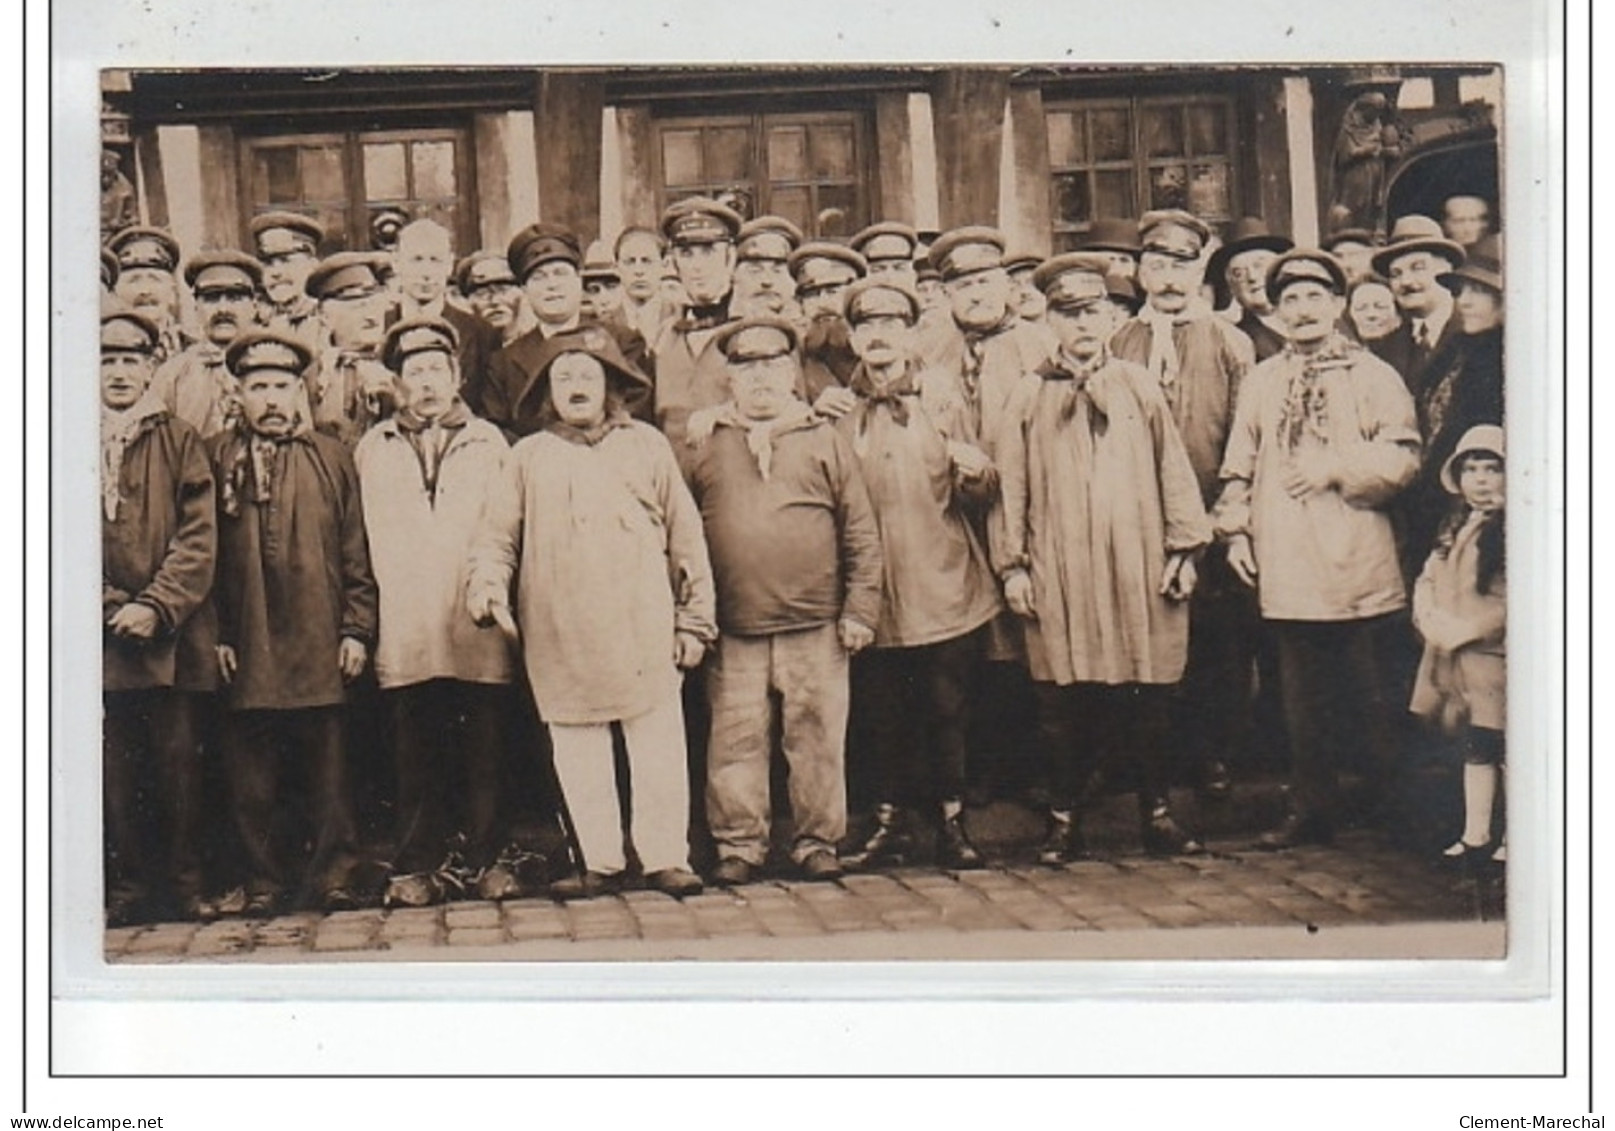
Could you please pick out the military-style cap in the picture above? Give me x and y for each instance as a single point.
(145, 247)
(266, 349)
(483, 269)
(889, 239)
(385, 226)
(282, 233)
(124, 330)
(1174, 232)
(820, 264)
(109, 268)
(965, 251)
(879, 295)
(347, 274)
(1073, 280)
(700, 219)
(599, 263)
(757, 338)
(1347, 235)
(418, 335)
(1482, 265)
(542, 243)
(1112, 233)
(768, 238)
(600, 344)
(1413, 233)
(1303, 265)
(925, 270)
(223, 267)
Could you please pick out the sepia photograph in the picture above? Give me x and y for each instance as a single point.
(812, 513)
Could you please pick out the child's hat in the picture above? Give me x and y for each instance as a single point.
(1482, 439)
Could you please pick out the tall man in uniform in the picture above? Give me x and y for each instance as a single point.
(1198, 359)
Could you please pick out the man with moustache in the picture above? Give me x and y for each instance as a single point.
(158, 545)
(147, 259)
(423, 261)
(349, 389)
(1198, 359)
(763, 283)
(1414, 261)
(1239, 269)
(489, 286)
(196, 386)
(1325, 435)
(548, 262)
(296, 602)
(689, 372)
(287, 244)
(640, 261)
(822, 272)
(889, 249)
(602, 286)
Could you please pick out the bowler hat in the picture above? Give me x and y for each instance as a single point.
(1112, 233)
(1250, 233)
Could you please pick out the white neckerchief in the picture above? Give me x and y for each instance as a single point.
(1163, 361)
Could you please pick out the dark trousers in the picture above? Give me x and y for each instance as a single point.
(151, 783)
(1335, 705)
(258, 746)
(1218, 690)
(1004, 749)
(916, 706)
(1083, 726)
(447, 736)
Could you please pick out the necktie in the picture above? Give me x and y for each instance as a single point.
(1421, 335)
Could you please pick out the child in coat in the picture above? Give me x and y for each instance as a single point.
(1459, 608)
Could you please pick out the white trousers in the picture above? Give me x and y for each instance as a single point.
(658, 786)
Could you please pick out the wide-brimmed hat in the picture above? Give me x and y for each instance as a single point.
(1485, 439)
(1411, 233)
(1482, 265)
(599, 343)
(1249, 233)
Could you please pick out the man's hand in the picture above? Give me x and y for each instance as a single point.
(1018, 594)
(969, 461)
(135, 621)
(480, 605)
(1309, 473)
(350, 657)
(854, 636)
(227, 662)
(835, 402)
(688, 650)
(1178, 581)
(1242, 559)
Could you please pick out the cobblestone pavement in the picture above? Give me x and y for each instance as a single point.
(1294, 902)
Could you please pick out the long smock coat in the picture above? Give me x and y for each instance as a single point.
(294, 570)
(1330, 555)
(936, 584)
(1470, 669)
(160, 550)
(420, 538)
(605, 548)
(1096, 492)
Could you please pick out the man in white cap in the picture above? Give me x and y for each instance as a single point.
(1325, 436)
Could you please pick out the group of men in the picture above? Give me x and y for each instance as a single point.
(1002, 518)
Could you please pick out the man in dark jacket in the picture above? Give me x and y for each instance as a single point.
(297, 616)
(158, 545)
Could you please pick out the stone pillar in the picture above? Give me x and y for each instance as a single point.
(967, 107)
(567, 113)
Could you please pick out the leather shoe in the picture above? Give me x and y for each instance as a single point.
(732, 872)
(821, 864)
(261, 904)
(887, 844)
(198, 909)
(1064, 842)
(585, 885)
(339, 899)
(954, 848)
(1295, 830)
(676, 882)
(1163, 836)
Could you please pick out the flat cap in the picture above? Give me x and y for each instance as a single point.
(821, 263)
(142, 246)
(965, 251)
(417, 335)
(347, 274)
(879, 295)
(889, 239)
(770, 238)
(542, 243)
(223, 266)
(480, 269)
(124, 330)
(1304, 265)
(757, 337)
(266, 349)
(1174, 232)
(278, 233)
(700, 219)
